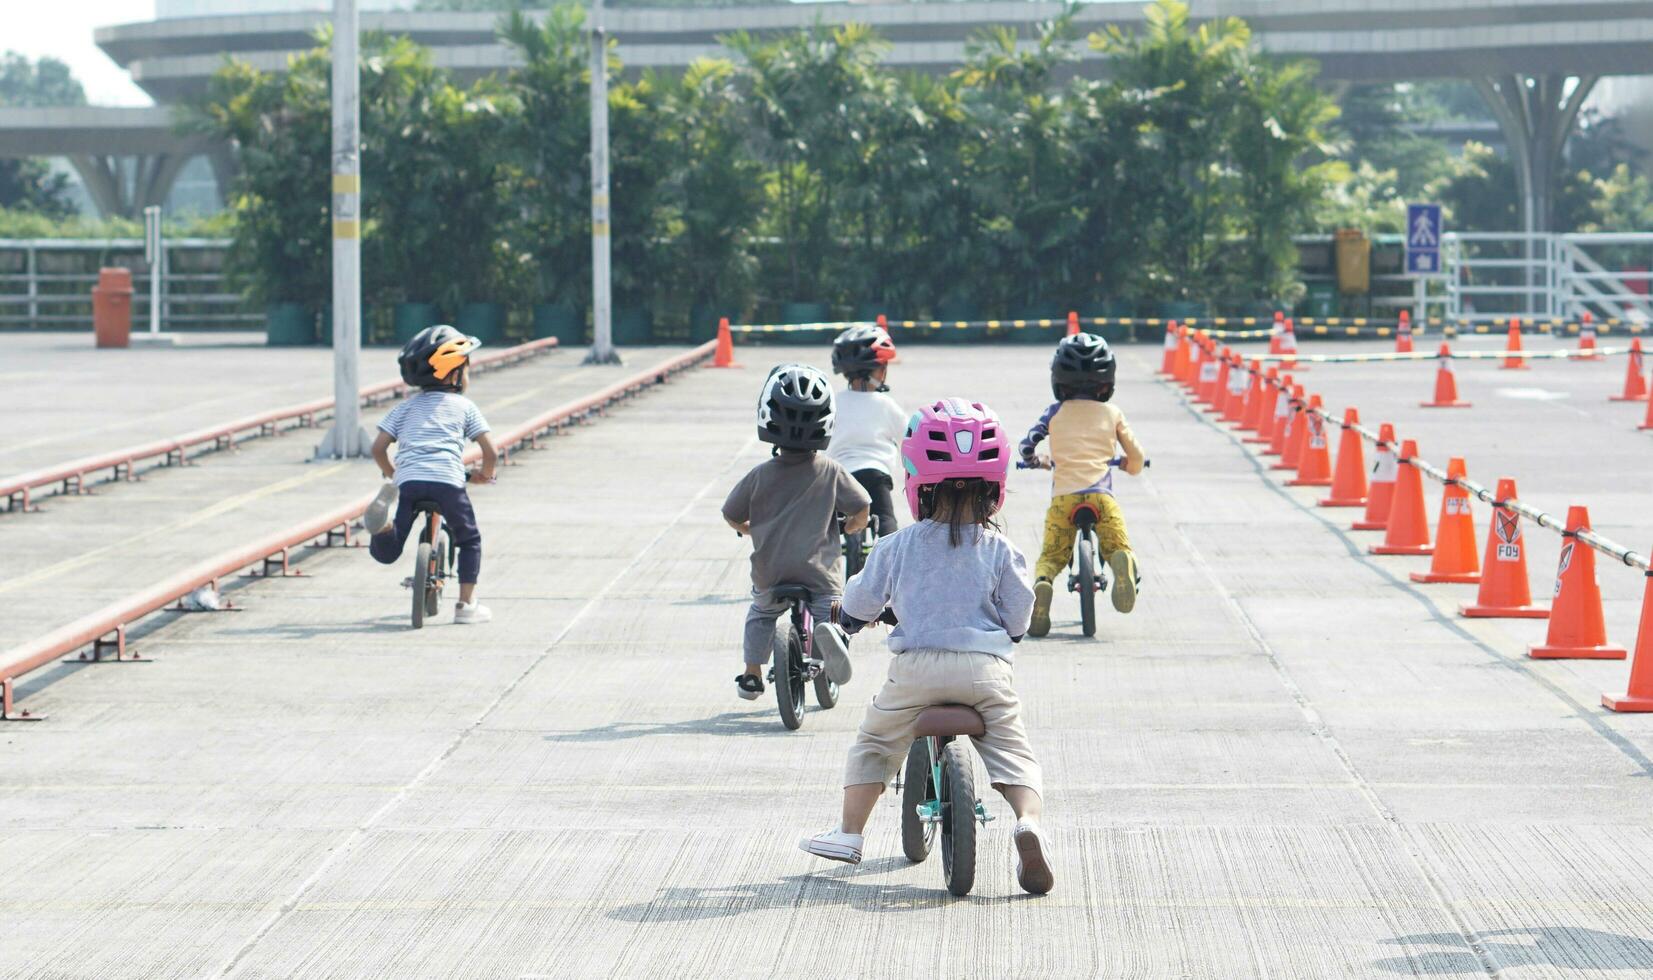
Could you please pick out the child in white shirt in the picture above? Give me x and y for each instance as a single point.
(869, 425)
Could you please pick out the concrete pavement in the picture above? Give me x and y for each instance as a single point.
(1288, 762)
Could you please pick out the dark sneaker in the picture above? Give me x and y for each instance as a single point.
(750, 685)
(1041, 608)
(831, 646)
(1125, 579)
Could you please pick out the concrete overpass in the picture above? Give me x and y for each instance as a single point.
(1536, 61)
(96, 140)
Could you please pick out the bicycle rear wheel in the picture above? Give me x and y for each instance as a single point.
(1087, 584)
(439, 576)
(958, 820)
(421, 582)
(790, 675)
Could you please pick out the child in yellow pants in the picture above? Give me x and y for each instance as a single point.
(1086, 434)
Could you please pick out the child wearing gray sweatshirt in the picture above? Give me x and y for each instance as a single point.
(960, 596)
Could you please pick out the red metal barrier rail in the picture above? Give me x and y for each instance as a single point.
(96, 629)
(16, 492)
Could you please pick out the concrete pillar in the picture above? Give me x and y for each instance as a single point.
(1537, 114)
(107, 181)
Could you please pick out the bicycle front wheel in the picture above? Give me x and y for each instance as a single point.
(1087, 584)
(917, 788)
(421, 582)
(790, 675)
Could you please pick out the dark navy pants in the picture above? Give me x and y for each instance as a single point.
(455, 505)
(878, 485)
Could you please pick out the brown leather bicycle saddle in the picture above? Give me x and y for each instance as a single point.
(949, 719)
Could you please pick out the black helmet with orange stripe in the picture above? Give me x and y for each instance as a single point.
(436, 358)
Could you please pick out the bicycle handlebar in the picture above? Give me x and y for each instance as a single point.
(1044, 464)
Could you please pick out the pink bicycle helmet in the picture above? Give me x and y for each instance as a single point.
(954, 439)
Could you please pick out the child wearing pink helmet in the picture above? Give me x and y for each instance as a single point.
(960, 596)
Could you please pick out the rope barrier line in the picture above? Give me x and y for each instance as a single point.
(1597, 542)
(1473, 355)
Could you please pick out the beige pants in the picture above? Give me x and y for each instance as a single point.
(921, 678)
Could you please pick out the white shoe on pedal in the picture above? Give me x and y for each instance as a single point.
(466, 614)
(834, 845)
(379, 513)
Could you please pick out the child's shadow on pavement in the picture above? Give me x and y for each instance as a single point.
(1561, 947)
(745, 723)
(835, 887)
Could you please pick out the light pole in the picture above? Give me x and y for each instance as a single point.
(346, 438)
(602, 302)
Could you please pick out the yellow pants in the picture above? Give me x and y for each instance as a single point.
(1060, 531)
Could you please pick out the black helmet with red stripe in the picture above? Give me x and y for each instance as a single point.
(858, 351)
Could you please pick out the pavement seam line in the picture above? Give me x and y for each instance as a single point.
(430, 768)
(1318, 726)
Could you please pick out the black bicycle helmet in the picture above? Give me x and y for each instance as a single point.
(858, 351)
(1082, 364)
(436, 357)
(795, 408)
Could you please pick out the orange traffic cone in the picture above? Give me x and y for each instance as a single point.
(1219, 399)
(1268, 391)
(1635, 386)
(1403, 333)
(1288, 345)
(1249, 415)
(1280, 434)
(1454, 559)
(1238, 384)
(1504, 592)
(1168, 356)
(1639, 695)
(1314, 467)
(1577, 630)
(1291, 456)
(723, 355)
(1514, 362)
(1380, 496)
(1179, 363)
(1408, 530)
(1196, 364)
(1211, 375)
(1349, 482)
(1587, 338)
(1647, 422)
(1073, 323)
(1446, 383)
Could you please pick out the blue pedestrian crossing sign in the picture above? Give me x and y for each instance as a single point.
(1423, 239)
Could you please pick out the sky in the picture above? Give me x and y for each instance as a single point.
(63, 29)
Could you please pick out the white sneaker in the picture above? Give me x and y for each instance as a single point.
(1032, 858)
(831, 645)
(382, 510)
(834, 845)
(476, 612)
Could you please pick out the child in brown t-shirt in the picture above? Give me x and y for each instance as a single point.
(790, 505)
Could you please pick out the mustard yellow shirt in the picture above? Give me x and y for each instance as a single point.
(1084, 436)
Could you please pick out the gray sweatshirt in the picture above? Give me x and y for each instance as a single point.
(974, 597)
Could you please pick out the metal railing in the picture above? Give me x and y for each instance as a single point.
(47, 282)
(1490, 276)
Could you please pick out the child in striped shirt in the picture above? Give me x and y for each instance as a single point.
(431, 429)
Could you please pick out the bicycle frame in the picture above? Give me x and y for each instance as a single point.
(930, 810)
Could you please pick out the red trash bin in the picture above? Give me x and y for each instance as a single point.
(112, 308)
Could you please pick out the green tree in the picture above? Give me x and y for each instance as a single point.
(1188, 77)
(552, 137)
(29, 183)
